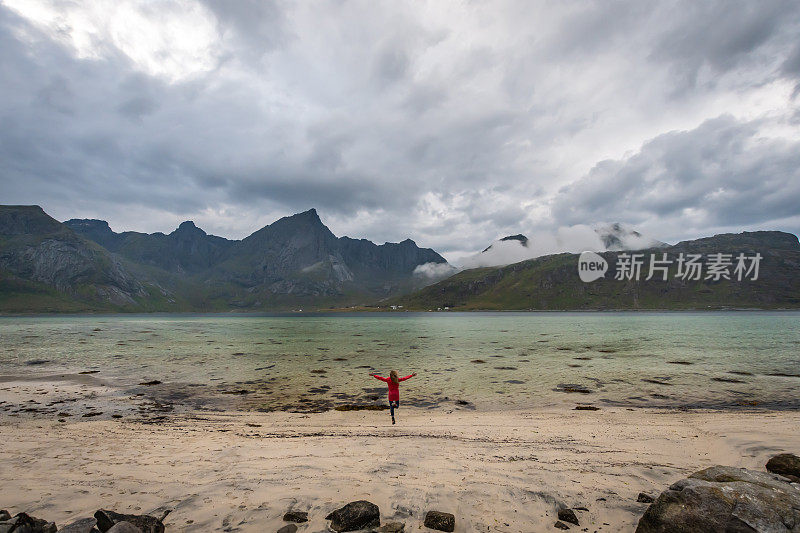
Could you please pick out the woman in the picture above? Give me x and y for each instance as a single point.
(394, 388)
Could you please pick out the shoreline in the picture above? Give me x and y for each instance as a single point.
(241, 470)
(42, 396)
(382, 312)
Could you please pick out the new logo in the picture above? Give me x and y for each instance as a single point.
(591, 266)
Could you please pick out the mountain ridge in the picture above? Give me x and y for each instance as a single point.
(295, 260)
(551, 282)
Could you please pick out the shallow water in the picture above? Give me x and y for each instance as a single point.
(715, 359)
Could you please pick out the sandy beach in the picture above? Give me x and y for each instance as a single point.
(240, 471)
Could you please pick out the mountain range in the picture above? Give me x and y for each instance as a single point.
(82, 265)
(552, 282)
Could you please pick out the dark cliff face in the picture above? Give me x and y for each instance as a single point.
(26, 220)
(96, 230)
(300, 254)
(295, 259)
(188, 249)
(36, 248)
(280, 250)
(388, 260)
(193, 249)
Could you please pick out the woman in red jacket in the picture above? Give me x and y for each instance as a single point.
(394, 388)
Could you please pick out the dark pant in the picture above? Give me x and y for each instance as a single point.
(392, 405)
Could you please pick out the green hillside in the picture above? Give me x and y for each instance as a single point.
(552, 282)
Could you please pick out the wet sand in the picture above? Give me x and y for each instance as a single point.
(240, 471)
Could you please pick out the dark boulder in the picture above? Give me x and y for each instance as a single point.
(148, 524)
(124, 527)
(4, 515)
(723, 499)
(645, 498)
(560, 525)
(391, 527)
(440, 521)
(356, 515)
(24, 523)
(786, 465)
(83, 525)
(295, 516)
(568, 515)
(288, 528)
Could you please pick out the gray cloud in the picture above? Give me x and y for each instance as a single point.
(721, 174)
(452, 126)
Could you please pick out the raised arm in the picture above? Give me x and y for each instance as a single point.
(407, 377)
(376, 376)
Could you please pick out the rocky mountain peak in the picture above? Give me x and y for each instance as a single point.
(518, 237)
(26, 220)
(306, 223)
(617, 236)
(88, 224)
(522, 239)
(188, 228)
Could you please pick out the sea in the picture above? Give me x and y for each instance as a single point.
(487, 361)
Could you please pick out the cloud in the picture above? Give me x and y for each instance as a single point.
(724, 173)
(434, 271)
(450, 124)
(572, 239)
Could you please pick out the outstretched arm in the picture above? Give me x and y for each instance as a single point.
(407, 377)
(376, 376)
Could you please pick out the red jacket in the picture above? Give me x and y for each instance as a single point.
(394, 389)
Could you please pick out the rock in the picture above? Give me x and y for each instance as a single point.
(356, 515)
(361, 407)
(153, 382)
(656, 381)
(148, 524)
(4, 515)
(440, 521)
(288, 528)
(84, 525)
(645, 498)
(124, 527)
(586, 408)
(727, 380)
(572, 387)
(295, 516)
(560, 525)
(723, 499)
(24, 523)
(391, 527)
(402, 511)
(786, 465)
(568, 515)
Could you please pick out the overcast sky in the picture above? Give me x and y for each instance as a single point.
(452, 123)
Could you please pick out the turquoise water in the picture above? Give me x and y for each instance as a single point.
(724, 359)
